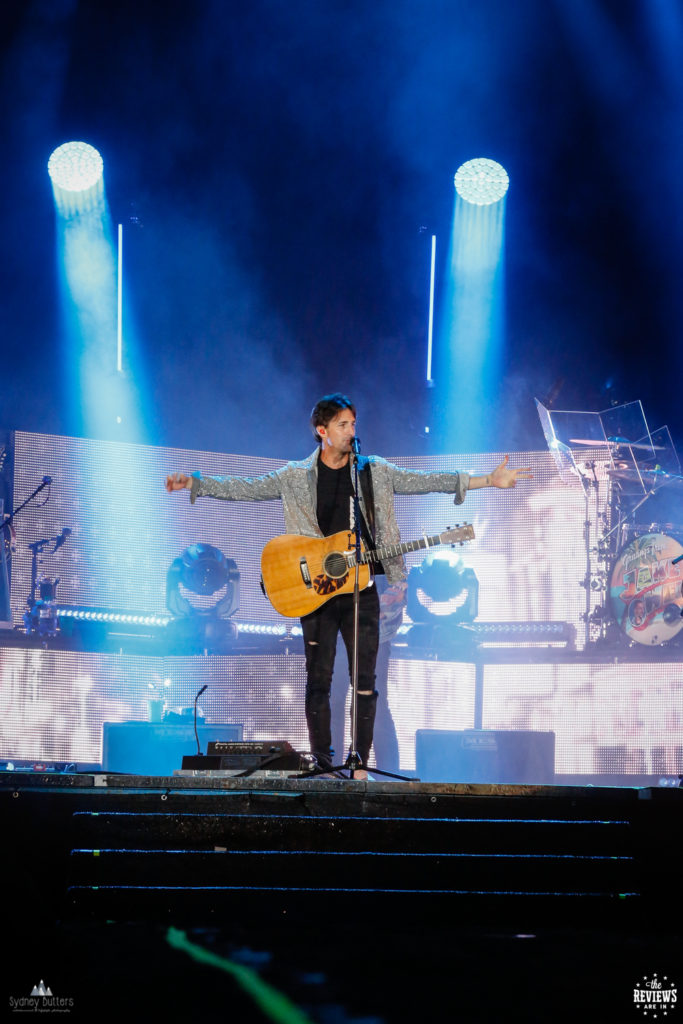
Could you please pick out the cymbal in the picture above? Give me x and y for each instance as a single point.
(633, 474)
(621, 443)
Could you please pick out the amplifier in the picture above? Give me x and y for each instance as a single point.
(495, 756)
(222, 755)
(253, 748)
(156, 748)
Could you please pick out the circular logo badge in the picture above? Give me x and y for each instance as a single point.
(655, 997)
(645, 591)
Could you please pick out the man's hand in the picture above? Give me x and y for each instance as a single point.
(391, 605)
(178, 482)
(504, 477)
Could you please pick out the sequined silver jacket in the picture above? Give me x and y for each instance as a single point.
(296, 484)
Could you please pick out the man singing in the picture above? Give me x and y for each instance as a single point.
(317, 499)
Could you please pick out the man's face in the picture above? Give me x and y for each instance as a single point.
(339, 432)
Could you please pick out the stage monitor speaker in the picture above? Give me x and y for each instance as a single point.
(485, 755)
(151, 748)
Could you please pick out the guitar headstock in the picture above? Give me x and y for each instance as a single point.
(457, 534)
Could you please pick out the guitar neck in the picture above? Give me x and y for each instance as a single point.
(394, 550)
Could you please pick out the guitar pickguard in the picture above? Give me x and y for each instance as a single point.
(324, 585)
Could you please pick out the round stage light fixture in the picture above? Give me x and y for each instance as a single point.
(202, 570)
(481, 181)
(442, 590)
(202, 592)
(75, 167)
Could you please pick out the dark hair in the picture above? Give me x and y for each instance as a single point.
(326, 409)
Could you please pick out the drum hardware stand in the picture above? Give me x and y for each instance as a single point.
(596, 581)
(624, 519)
(600, 616)
(588, 581)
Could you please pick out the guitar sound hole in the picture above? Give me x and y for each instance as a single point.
(335, 565)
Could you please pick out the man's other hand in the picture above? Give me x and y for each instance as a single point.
(178, 482)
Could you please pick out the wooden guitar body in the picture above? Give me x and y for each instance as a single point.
(301, 573)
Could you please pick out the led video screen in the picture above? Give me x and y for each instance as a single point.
(530, 555)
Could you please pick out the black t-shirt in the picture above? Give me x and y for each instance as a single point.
(335, 504)
(335, 497)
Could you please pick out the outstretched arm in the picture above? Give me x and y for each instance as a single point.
(178, 482)
(500, 477)
(228, 488)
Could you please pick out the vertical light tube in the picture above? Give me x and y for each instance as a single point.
(119, 308)
(430, 328)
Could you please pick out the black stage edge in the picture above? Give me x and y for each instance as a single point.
(356, 901)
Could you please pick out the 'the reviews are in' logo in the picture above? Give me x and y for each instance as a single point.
(655, 996)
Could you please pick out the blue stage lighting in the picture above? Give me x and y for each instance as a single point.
(75, 167)
(470, 341)
(75, 170)
(481, 181)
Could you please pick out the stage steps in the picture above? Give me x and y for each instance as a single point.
(163, 849)
(166, 860)
(205, 830)
(530, 883)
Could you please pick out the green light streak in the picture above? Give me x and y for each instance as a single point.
(273, 1003)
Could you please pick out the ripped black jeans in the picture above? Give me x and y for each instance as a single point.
(320, 630)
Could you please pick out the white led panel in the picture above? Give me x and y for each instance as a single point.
(608, 719)
(528, 555)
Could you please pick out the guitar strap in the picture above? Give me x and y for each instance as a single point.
(368, 529)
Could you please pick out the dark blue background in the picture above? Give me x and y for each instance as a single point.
(280, 165)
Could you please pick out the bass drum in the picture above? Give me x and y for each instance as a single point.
(645, 589)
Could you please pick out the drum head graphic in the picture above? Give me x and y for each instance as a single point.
(645, 591)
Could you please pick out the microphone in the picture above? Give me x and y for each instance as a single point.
(355, 445)
(47, 480)
(66, 532)
(196, 734)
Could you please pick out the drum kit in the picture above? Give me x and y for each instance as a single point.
(642, 581)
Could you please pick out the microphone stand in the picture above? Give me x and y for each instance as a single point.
(46, 483)
(38, 546)
(37, 549)
(196, 734)
(353, 762)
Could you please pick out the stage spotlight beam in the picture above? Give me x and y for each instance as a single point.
(75, 166)
(471, 333)
(481, 181)
(76, 171)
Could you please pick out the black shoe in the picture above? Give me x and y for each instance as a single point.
(324, 761)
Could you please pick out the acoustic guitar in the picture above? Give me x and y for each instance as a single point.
(301, 573)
